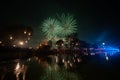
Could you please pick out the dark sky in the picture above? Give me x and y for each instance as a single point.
(98, 20)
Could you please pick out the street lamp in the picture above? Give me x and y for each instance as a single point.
(21, 43)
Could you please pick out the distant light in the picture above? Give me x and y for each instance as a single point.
(26, 41)
(29, 34)
(11, 37)
(107, 58)
(76, 44)
(25, 32)
(14, 45)
(37, 47)
(103, 43)
(68, 61)
(28, 38)
(63, 60)
(56, 59)
(78, 60)
(21, 43)
(71, 65)
(40, 45)
(92, 54)
(29, 59)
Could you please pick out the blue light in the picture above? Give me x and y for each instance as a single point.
(111, 50)
(103, 43)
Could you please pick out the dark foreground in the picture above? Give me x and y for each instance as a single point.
(100, 69)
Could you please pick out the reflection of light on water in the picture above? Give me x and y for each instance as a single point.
(68, 61)
(74, 60)
(107, 58)
(56, 59)
(71, 65)
(20, 69)
(63, 60)
(37, 59)
(78, 60)
(29, 59)
(17, 66)
(56, 67)
(17, 70)
(66, 66)
(54, 72)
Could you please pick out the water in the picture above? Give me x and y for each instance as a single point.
(57, 67)
(60, 67)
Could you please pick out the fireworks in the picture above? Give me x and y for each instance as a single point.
(68, 24)
(51, 28)
(63, 26)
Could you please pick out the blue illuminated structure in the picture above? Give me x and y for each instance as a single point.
(107, 49)
(111, 50)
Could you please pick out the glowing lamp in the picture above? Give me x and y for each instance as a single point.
(25, 32)
(21, 43)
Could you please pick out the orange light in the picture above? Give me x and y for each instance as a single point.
(21, 43)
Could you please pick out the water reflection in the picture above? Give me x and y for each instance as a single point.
(52, 67)
(57, 70)
(20, 69)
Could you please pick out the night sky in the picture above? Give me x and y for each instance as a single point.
(98, 20)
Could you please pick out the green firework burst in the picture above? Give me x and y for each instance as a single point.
(68, 24)
(51, 28)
